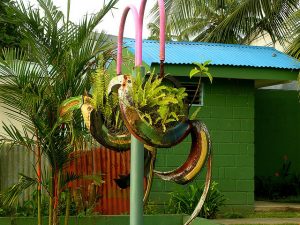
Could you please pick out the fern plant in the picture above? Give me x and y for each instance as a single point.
(159, 105)
(107, 104)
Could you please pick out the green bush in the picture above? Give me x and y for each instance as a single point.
(185, 201)
(282, 184)
(30, 207)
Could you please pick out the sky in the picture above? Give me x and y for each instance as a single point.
(110, 24)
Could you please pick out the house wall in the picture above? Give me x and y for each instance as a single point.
(277, 131)
(4, 118)
(228, 112)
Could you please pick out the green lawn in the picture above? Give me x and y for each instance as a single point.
(269, 224)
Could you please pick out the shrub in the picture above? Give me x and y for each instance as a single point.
(281, 185)
(185, 201)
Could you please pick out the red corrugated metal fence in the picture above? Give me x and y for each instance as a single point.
(110, 164)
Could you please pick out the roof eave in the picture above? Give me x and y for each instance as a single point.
(236, 72)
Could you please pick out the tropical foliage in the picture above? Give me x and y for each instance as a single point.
(185, 201)
(9, 34)
(294, 35)
(108, 105)
(282, 185)
(200, 69)
(159, 105)
(232, 21)
(58, 65)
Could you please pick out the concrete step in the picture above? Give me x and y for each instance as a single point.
(259, 221)
(262, 206)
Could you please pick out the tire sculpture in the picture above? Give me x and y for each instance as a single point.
(200, 151)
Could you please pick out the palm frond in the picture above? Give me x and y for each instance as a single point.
(16, 137)
(10, 196)
(228, 21)
(60, 58)
(294, 35)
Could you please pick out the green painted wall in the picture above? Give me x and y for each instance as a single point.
(277, 131)
(228, 112)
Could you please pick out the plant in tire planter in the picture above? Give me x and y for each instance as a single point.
(159, 105)
(101, 113)
(140, 124)
(154, 113)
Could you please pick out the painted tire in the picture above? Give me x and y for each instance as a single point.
(142, 130)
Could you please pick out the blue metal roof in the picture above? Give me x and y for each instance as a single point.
(219, 54)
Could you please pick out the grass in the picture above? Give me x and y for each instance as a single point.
(269, 224)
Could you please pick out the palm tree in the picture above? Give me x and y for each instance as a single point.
(9, 35)
(294, 35)
(57, 65)
(228, 21)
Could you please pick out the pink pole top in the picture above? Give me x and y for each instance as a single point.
(138, 37)
(162, 25)
(138, 20)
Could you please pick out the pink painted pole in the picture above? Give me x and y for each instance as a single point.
(136, 147)
(162, 25)
(138, 37)
(139, 20)
(137, 153)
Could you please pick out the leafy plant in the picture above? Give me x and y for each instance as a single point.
(201, 69)
(9, 33)
(151, 208)
(282, 184)
(158, 104)
(107, 104)
(57, 65)
(162, 105)
(185, 201)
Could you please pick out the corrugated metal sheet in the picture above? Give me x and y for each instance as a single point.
(97, 161)
(110, 164)
(12, 162)
(219, 54)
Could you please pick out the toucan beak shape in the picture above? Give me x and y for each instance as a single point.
(115, 84)
(69, 105)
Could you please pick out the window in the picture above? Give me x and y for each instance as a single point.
(190, 86)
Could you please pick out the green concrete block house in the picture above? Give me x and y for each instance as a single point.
(228, 109)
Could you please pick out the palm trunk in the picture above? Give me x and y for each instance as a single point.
(39, 178)
(39, 199)
(50, 219)
(56, 198)
(68, 204)
(51, 191)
